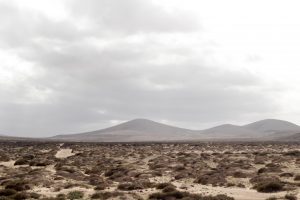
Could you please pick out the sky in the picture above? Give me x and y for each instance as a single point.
(69, 66)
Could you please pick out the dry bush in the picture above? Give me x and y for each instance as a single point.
(297, 177)
(290, 197)
(75, 195)
(214, 178)
(135, 185)
(18, 185)
(286, 174)
(295, 153)
(106, 195)
(269, 186)
(7, 192)
(185, 196)
(22, 161)
(239, 174)
(161, 186)
(4, 157)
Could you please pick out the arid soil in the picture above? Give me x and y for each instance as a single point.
(188, 171)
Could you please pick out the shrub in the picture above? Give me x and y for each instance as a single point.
(129, 186)
(7, 192)
(61, 197)
(271, 198)
(4, 157)
(21, 196)
(169, 195)
(161, 186)
(169, 189)
(187, 196)
(239, 174)
(286, 174)
(75, 195)
(18, 185)
(262, 170)
(106, 195)
(21, 161)
(269, 186)
(293, 153)
(214, 178)
(34, 195)
(290, 197)
(297, 177)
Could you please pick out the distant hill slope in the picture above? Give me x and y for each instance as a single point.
(230, 131)
(293, 138)
(135, 130)
(6, 138)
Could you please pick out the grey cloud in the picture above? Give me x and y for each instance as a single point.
(133, 16)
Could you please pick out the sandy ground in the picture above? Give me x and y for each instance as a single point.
(237, 193)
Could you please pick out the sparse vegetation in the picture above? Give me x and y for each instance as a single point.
(146, 170)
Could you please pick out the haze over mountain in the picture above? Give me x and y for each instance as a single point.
(147, 130)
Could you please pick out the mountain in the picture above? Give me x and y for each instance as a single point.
(230, 131)
(146, 130)
(12, 138)
(273, 127)
(135, 130)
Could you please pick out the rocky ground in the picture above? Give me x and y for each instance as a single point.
(194, 171)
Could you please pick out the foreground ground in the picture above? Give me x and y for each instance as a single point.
(208, 171)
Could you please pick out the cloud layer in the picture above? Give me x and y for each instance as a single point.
(109, 61)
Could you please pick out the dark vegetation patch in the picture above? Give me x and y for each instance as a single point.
(186, 196)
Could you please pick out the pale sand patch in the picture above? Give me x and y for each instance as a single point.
(9, 164)
(236, 181)
(161, 179)
(64, 153)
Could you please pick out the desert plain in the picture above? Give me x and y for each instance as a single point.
(166, 171)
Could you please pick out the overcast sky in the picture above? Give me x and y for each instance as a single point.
(70, 66)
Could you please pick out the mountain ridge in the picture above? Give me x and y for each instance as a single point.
(148, 130)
